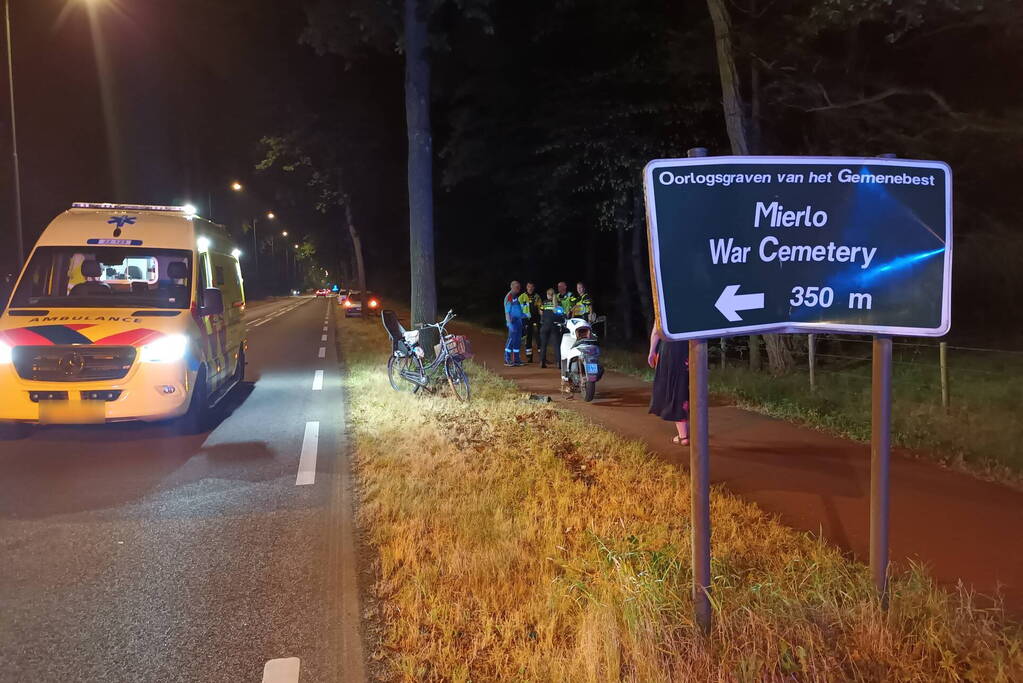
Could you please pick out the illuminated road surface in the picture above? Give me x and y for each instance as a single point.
(130, 553)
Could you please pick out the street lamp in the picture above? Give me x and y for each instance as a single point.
(14, 136)
(255, 243)
(284, 233)
(236, 186)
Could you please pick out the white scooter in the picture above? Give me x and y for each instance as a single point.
(580, 358)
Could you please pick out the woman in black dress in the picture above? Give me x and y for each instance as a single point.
(670, 398)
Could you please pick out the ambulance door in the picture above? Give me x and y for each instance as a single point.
(211, 326)
(226, 279)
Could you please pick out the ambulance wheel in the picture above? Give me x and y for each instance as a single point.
(239, 371)
(196, 419)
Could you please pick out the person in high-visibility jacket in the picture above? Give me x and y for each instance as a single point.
(582, 304)
(513, 317)
(531, 305)
(563, 297)
(552, 320)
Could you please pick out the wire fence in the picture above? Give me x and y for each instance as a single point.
(839, 362)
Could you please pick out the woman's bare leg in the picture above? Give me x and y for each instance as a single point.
(683, 429)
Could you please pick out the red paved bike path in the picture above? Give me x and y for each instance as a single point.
(958, 526)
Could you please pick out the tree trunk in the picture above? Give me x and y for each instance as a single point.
(360, 266)
(731, 93)
(590, 261)
(420, 163)
(625, 292)
(641, 261)
(778, 353)
(755, 146)
(754, 352)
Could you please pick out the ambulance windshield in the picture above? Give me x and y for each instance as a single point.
(106, 277)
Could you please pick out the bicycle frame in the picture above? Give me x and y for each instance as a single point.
(437, 364)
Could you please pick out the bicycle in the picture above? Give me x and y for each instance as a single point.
(405, 368)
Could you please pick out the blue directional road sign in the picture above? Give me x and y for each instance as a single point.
(800, 244)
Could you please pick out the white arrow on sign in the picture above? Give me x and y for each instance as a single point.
(730, 301)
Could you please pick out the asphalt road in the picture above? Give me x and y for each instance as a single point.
(131, 553)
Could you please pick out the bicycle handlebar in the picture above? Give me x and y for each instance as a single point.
(448, 318)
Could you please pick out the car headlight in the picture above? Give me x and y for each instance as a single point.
(165, 350)
(6, 353)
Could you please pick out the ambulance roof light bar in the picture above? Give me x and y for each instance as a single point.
(187, 209)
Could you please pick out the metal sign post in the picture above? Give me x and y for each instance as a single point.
(880, 453)
(699, 470)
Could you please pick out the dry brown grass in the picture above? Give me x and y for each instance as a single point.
(515, 541)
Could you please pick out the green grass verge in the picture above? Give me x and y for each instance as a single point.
(512, 540)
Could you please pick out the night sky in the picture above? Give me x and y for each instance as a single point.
(192, 85)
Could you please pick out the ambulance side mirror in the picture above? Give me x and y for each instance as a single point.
(213, 302)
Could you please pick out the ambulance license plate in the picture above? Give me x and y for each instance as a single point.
(72, 412)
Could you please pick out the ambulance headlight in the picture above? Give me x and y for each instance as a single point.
(165, 350)
(6, 353)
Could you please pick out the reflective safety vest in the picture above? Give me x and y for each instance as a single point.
(524, 303)
(552, 313)
(566, 301)
(531, 304)
(581, 305)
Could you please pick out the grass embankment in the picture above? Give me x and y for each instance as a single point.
(514, 541)
(981, 432)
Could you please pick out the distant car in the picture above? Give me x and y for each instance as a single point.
(322, 292)
(357, 302)
(342, 294)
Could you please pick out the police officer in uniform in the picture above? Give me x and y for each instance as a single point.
(582, 304)
(531, 305)
(552, 319)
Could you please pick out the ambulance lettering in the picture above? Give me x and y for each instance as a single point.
(84, 334)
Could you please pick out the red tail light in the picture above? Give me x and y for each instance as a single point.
(373, 303)
(348, 304)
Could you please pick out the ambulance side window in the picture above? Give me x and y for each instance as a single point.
(228, 284)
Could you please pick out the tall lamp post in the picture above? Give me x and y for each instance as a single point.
(284, 233)
(238, 187)
(14, 135)
(270, 216)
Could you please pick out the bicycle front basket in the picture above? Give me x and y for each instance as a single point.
(458, 346)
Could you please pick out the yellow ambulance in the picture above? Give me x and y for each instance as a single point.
(123, 312)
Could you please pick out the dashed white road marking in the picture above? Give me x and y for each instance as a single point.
(324, 328)
(283, 670)
(307, 460)
(323, 337)
(323, 352)
(276, 314)
(318, 381)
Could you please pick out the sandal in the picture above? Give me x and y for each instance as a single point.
(680, 441)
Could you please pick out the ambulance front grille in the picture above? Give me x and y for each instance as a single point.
(73, 363)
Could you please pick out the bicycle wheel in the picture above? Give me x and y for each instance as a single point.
(457, 378)
(397, 366)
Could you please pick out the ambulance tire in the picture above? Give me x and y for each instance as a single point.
(196, 420)
(239, 371)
